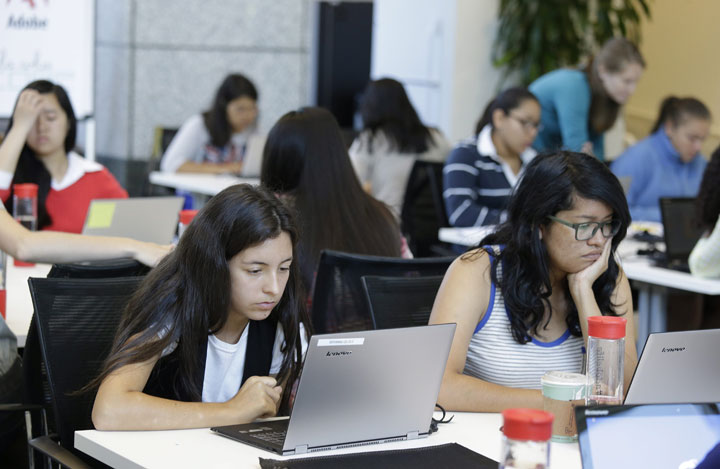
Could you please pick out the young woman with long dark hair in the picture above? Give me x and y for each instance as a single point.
(480, 173)
(579, 106)
(393, 137)
(38, 148)
(305, 161)
(216, 140)
(704, 259)
(521, 301)
(667, 163)
(215, 334)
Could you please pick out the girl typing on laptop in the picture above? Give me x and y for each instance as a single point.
(216, 329)
(521, 301)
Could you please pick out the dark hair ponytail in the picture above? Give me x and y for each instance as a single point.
(506, 101)
(676, 110)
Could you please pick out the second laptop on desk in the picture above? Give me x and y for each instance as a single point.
(359, 388)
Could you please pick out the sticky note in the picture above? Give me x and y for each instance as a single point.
(101, 214)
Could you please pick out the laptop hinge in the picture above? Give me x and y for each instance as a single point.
(301, 449)
(413, 435)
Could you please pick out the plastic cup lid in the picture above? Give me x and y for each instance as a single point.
(186, 216)
(563, 378)
(27, 189)
(527, 424)
(606, 327)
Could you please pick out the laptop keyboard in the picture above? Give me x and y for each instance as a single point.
(277, 437)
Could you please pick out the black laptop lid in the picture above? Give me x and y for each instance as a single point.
(680, 227)
(650, 435)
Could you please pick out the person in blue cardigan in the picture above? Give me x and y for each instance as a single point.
(578, 106)
(668, 162)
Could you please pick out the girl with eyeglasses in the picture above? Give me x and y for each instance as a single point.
(480, 173)
(522, 299)
(668, 162)
(580, 105)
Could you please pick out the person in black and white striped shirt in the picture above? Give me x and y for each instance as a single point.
(521, 302)
(480, 173)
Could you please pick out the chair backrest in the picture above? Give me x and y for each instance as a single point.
(76, 323)
(339, 303)
(104, 269)
(400, 301)
(423, 211)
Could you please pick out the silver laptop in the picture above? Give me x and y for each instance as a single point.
(678, 367)
(252, 161)
(646, 436)
(152, 219)
(359, 388)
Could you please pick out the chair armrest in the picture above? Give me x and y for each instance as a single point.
(52, 449)
(16, 407)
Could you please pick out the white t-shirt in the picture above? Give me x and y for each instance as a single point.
(225, 364)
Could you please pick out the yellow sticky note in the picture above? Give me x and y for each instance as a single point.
(101, 214)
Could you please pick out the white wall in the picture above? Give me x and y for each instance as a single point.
(441, 52)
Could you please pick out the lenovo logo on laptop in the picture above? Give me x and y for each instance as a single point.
(338, 354)
(673, 349)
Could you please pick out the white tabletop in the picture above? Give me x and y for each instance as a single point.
(202, 448)
(207, 184)
(19, 304)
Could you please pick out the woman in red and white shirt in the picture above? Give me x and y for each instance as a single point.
(38, 148)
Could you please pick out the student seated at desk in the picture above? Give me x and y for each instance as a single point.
(216, 140)
(38, 149)
(305, 161)
(522, 300)
(214, 335)
(667, 163)
(393, 137)
(481, 172)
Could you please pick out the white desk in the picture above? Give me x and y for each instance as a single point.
(206, 184)
(651, 281)
(202, 448)
(19, 306)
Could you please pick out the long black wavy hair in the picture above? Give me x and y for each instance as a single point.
(188, 296)
(549, 185)
(29, 168)
(708, 199)
(233, 86)
(385, 107)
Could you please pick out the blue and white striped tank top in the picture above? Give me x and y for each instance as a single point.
(495, 356)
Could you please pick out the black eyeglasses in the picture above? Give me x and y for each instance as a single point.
(585, 231)
(527, 124)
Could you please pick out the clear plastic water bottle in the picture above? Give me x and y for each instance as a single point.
(605, 360)
(25, 210)
(186, 216)
(526, 439)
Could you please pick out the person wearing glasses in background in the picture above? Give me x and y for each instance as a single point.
(668, 162)
(480, 173)
(522, 299)
(580, 105)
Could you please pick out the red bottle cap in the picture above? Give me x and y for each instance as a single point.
(527, 424)
(186, 216)
(26, 190)
(606, 327)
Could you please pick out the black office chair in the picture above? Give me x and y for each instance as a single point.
(162, 136)
(99, 269)
(400, 301)
(339, 303)
(76, 323)
(423, 210)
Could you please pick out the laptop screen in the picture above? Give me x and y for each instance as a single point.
(679, 226)
(652, 435)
